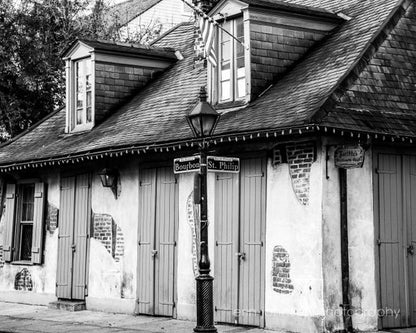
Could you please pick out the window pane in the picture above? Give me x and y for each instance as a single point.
(89, 115)
(26, 242)
(225, 72)
(28, 200)
(79, 116)
(88, 82)
(225, 90)
(241, 87)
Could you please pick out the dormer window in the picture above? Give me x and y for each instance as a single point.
(232, 72)
(83, 92)
(101, 75)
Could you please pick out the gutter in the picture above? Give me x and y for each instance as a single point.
(215, 140)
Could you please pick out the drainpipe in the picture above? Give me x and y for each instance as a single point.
(346, 302)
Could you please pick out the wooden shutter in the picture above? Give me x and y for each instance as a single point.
(9, 222)
(65, 238)
(38, 218)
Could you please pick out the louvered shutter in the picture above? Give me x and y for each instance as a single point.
(9, 222)
(38, 218)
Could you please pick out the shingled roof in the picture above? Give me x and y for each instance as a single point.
(307, 96)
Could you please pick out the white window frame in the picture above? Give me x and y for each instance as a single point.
(84, 125)
(233, 64)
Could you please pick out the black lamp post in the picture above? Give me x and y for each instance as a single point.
(203, 120)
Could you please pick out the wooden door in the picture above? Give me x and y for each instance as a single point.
(75, 210)
(226, 247)
(239, 251)
(252, 221)
(157, 242)
(409, 182)
(396, 238)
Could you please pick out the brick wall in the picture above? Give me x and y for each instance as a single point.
(114, 82)
(300, 157)
(52, 218)
(273, 50)
(23, 280)
(282, 282)
(109, 234)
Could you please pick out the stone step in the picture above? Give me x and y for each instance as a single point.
(68, 305)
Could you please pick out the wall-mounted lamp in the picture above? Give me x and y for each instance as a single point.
(110, 178)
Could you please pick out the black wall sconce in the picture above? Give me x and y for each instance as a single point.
(110, 178)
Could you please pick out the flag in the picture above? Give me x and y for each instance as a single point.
(207, 30)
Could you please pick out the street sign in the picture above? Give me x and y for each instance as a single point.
(187, 164)
(223, 164)
(349, 157)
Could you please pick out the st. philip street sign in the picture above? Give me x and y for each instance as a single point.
(223, 164)
(187, 164)
(214, 164)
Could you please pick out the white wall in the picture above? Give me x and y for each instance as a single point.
(109, 279)
(298, 229)
(361, 245)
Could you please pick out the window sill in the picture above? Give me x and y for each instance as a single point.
(230, 105)
(22, 263)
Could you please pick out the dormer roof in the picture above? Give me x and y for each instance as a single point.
(120, 49)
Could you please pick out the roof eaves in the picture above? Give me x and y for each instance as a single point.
(362, 60)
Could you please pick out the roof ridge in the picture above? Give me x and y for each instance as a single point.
(364, 57)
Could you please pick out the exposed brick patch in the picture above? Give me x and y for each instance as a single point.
(282, 282)
(300, 157)
(52, 218)
(109, 234)
(23, 280)
(274, 49)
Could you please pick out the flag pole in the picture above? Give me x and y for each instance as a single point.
(210, 19)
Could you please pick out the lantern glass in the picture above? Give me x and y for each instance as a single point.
(108, 177)
(203, 124)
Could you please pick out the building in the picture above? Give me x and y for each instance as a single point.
(317, 84)
(136, 17)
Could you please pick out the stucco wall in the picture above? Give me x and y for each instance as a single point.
(361, 245)
(296, 228)
(113, 276)
(39, 287)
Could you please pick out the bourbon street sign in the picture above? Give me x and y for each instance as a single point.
(223, 164)
(348, 157)
(214, 164)
(187, 164)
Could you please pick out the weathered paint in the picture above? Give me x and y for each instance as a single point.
(111, 280)
(361, 245)
(298, 229)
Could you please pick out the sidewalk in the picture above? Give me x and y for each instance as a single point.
(29, 318)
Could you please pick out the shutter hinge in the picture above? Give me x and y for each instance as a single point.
(86, 290)
(176, 180)
(262, 173)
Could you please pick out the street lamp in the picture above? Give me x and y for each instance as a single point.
(202, 121)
